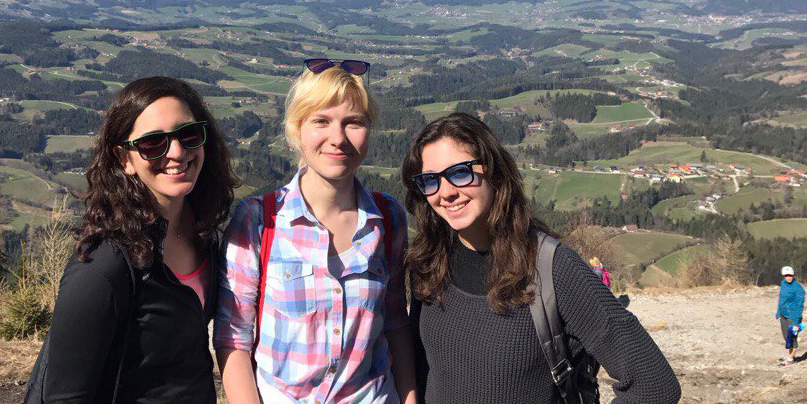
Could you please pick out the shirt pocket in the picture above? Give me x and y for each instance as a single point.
(374, 280)
(290, 288)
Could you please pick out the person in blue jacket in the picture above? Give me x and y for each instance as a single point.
(791, 305)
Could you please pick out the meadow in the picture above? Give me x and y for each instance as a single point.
(798, 119)
(786, 228)
(743, 199)
(645, 247)
(664, 153)
(678, 260)
(69, 143)
(23, 185)
(572, 190)
(671, 207)
(627, 112)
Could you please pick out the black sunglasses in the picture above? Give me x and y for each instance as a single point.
(154, 145)
(459, 175)
(356, 67)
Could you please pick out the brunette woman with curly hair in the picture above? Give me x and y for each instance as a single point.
(130, 322)
(472, 263)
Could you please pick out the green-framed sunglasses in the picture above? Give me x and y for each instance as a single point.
(154, 145)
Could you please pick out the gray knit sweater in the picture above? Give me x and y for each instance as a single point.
(466, 354)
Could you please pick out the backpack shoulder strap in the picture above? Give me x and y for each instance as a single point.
(386, 221)
(545, 317)
(267, 237)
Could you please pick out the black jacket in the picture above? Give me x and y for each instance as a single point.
(166, 354)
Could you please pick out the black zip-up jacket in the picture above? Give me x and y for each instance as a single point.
(167, 359)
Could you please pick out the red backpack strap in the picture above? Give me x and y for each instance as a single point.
(268, 235)
(386, 221)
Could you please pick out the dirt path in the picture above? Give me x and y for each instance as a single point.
(723, 345)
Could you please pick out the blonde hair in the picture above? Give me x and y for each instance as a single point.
(312, 92)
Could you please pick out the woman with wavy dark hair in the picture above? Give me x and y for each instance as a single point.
(130, 321)
(472, 263)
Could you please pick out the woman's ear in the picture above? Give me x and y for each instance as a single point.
(125, 161)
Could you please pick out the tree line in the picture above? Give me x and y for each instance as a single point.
(133, 64)
(582, 108)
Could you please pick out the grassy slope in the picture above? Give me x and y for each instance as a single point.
(743, 199)
(787, 228)
(674, 262)
(662, 153)
(69, 144)
(628, 111)
(643, 248)
(572, 190)
(23, 185)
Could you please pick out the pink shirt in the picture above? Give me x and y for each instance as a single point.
(198, 280)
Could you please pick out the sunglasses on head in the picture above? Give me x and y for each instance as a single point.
(356, 67)
(154, 145)
(459, 175)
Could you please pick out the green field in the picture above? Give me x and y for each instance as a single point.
(572, 190)
(32, 109)
(586, 130)
(525, 101)
(678, 260)
(798, 119)
(670, 207)
(73, 181)
(436, 110)
(69, 144)
(645, 247)
(21, 184)
(771, 229)
(627, 112)
(655, 276)
(566, 50)
(222, 107)
(663, 153)
(254, 81)
(743, 199)
(704, 186)
(21, 219)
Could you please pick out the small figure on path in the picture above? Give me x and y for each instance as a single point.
(791, 305)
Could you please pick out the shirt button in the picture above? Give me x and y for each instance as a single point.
(358, 243)
(317, 402)
(332, 369)
(336, 331)
(338, 291)
(287, 275)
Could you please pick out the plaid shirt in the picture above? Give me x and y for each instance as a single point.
(321, 338)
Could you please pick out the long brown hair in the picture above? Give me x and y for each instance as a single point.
(119, 207)
(513, 231)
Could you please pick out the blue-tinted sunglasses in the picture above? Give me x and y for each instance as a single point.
(459, 175)
(357, 67)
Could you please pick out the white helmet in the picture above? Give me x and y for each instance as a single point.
(788, 270)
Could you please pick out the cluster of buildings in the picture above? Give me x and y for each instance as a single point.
(792, 178)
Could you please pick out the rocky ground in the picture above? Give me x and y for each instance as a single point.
(722, 343)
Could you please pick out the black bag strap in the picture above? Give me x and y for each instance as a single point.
(545, 317)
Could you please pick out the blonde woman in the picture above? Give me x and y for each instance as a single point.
(314, 269)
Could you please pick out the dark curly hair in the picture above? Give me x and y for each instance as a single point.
(119, 207)
(513, 230)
